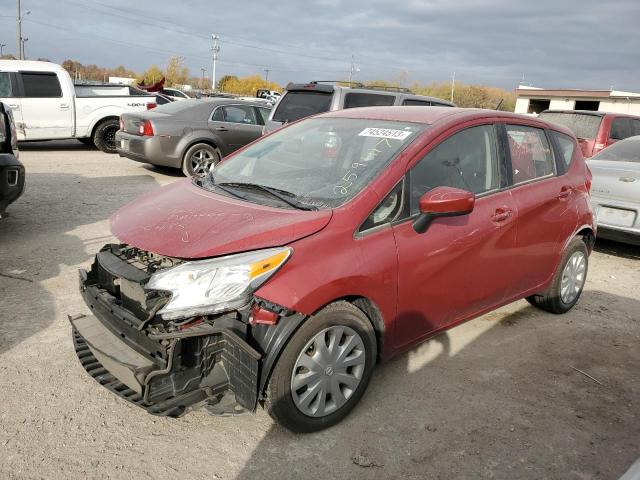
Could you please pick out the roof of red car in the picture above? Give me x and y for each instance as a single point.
(426, 115)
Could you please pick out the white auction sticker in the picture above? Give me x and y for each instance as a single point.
(385, 133)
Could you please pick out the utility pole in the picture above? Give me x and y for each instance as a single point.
(453, 85)
(266, 74)
(215, 48)
(202, 69)
(2, 45)
(24, 40)
(354, 69)
(19, 40)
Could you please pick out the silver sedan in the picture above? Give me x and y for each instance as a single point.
(192, 134)
(615, 191)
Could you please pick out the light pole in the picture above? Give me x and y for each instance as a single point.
(19, 40)
(2, 45)
(354, 69)
(266, 75)
(215, 48)
(24, 40)
(202, 69)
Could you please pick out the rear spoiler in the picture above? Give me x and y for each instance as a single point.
(310, 87)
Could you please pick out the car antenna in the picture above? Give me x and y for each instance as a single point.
(499, 104)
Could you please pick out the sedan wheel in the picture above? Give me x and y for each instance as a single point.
(200, 159)
(573, 277)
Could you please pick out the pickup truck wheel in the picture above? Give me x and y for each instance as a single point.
(324, 370)
(568, 281)
(104, 136)
(199, 159)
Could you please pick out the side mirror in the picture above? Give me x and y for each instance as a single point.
(443, 202)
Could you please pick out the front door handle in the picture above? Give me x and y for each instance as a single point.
(501, 214)
(14, 106)
(564, 193)
(64, 106)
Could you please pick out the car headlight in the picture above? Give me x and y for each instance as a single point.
(208, 286)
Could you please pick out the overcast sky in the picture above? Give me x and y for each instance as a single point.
(552, 43)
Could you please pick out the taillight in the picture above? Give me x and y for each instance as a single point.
(146, 129)
(121, 124)
(151, 105)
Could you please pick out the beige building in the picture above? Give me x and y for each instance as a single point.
(534, 100)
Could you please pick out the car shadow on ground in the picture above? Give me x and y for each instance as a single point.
(50, 145)
(618, 249)
(513, 400)
(43, 237)
(168, 171)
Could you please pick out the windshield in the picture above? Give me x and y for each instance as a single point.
(582, 125)
(627, 150)
(319, 163)
(296, 105)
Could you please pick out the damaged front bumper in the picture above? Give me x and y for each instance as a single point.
(165, 372)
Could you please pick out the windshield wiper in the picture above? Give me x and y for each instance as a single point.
(287, 197)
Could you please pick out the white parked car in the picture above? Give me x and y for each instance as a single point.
(46, 105)
(175, 94)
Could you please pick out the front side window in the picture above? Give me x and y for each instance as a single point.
(355, 100)
(566, 145)
(41, 85)
(6, 85)
(531, 155)
(239, 114)
(319, 163)
(467, 160)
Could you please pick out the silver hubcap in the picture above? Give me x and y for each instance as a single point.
(202, 161)
(328, 371)
(573, 277)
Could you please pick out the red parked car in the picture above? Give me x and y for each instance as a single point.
(307, 257)
(595, 130)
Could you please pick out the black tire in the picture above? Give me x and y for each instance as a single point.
(87, 141)
(279, 400)
(552, 300)
(211, 153)
(104, 136)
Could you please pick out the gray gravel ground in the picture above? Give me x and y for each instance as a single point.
(494, 398)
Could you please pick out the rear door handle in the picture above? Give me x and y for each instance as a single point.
(64, 106)
(221, 129)
(501, 214)
(564, 192)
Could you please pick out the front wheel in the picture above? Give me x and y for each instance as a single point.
(324, 370)
(568, 281)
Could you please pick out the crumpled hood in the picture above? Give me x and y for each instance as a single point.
(182, 220)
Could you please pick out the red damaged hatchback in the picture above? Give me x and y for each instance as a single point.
(298, 263)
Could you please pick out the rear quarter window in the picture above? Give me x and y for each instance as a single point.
(357, 99)
(296, 105)
(565, 147)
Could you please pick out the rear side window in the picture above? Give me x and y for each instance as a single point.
(530, 151)
(239, 114)
(620, 128)
(566, 147)
(356, 99)
(635, 127)
(410, 102)
(6, 85)
(41, 85)
(296, 105)
(467, 160)
(582, 125)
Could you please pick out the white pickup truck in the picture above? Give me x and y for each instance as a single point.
(47, 106)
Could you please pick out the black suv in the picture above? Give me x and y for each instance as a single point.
(305, 99)
(11, 170)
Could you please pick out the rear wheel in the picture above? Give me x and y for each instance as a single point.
(199, 159)
(324, 370)
(568, 281)
(104, 136)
